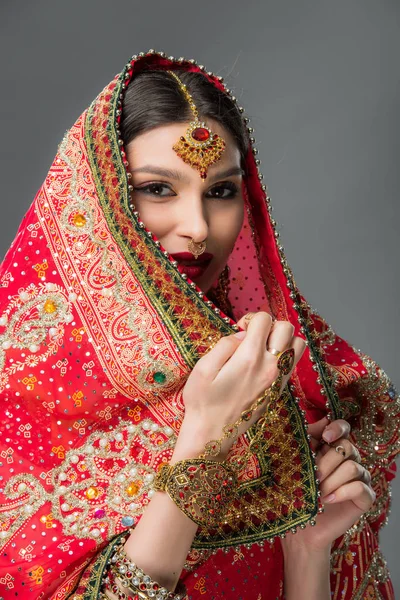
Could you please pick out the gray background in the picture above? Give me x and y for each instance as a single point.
(320, 81)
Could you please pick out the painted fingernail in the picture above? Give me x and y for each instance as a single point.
(329, 498)
(319, 475)
(240, 335)
(328, 436)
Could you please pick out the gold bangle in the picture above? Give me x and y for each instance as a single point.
(122, 571)
(202, 489)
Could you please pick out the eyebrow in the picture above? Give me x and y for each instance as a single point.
(173, 174)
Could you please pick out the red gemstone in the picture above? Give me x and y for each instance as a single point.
(200, 134)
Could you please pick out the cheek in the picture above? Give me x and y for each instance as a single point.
(156, 218)
(226, 227)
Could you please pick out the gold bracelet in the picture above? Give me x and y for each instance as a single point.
(122, 571)
(202, 489)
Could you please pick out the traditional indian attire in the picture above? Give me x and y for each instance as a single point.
(99, 331)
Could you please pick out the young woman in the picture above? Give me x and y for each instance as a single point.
(177, 421)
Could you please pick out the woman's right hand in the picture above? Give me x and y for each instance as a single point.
(229, 378)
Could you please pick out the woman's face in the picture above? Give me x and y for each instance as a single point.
(177, 205)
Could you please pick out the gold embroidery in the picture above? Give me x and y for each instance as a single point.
(108, 476)
(28, 323)
(106, 287)
(376, 573)
(376, 433)
(279, 490)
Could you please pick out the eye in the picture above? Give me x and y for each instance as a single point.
(155, 189)
(223, 191)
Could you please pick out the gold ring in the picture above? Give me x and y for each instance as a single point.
(286, 361)
(340, 450)
(249, 316)
(275, 352)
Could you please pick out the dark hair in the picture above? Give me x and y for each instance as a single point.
(153, 98)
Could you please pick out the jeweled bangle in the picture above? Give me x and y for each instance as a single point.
(202, 489)
(136, 581)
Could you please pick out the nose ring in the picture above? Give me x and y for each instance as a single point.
(196, 248)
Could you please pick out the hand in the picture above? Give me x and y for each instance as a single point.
(340, 475)
(229, 378)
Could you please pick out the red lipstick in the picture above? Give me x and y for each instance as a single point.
(191, 266)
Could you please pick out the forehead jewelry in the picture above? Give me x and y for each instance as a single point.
(199, 147)
(196, 248)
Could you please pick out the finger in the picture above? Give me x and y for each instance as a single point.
(336, 429)
(346, 472)
(332, 459)
(316, 429)
(211, 363)
(253, 346)
(362, 495)
(281, 336)
(243, 323)
(298, 345)
(324, 449)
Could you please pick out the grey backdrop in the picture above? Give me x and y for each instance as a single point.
(320, 81)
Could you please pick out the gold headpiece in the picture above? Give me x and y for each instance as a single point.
(200, 147)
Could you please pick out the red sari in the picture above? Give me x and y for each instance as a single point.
(98, 334)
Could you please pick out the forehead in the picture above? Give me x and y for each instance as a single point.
(156, 145)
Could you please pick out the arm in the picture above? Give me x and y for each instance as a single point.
(163, 537)
(306, 575)
(371, 405)
(375, 431)
(161, 540)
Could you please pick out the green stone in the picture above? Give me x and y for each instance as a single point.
(159, 377)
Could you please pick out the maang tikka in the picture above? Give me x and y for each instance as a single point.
(200, 147)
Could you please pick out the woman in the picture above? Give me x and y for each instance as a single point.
(150, 240)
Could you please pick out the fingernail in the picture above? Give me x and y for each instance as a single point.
(329, 498)
(328, 436)
(318, 475)
(240, 334)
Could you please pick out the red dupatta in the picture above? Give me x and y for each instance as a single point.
(99, 332)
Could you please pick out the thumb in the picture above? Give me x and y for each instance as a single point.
(316, 429)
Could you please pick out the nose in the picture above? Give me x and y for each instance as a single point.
(195, 221)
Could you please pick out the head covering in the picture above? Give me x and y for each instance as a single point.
(99, 332)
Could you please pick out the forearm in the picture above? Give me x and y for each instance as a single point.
(307, 575)
(161, 540)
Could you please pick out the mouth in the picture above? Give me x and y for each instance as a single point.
(191, 266)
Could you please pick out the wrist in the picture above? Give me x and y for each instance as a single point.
(191, 443)
(291, 548)
(307, 574)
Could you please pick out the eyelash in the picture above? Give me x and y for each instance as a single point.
(227, 185)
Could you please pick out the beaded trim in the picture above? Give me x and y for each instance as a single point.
(122, 204)
(135, 580)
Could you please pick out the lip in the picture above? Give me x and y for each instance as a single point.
(192, 267)
(188, 259)
(193, 271)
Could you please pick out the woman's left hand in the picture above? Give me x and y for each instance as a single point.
(346, 491)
